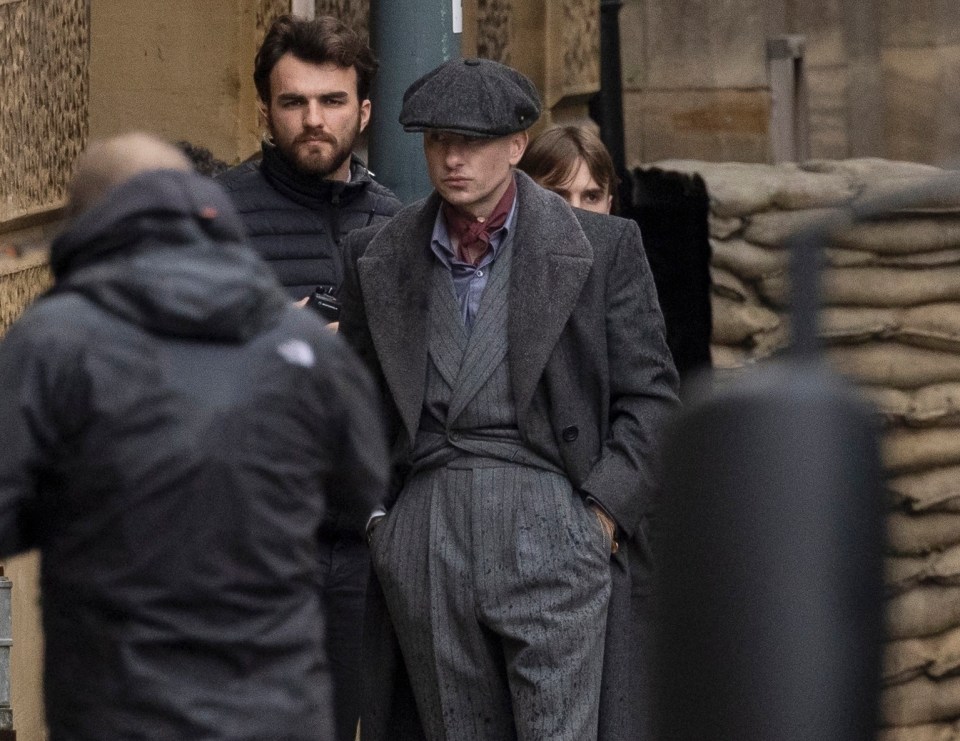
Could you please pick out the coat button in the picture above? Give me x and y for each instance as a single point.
(454, 437)
(569, 434)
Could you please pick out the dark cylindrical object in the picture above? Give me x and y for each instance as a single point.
(410, 37)
(607, 105)
(771, 580)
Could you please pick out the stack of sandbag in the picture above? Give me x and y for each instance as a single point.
(891, 322)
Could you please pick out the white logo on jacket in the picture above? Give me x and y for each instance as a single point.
(297, 352)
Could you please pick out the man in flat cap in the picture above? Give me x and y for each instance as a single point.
(522, 358)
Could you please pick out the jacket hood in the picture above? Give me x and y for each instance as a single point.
(165, 250)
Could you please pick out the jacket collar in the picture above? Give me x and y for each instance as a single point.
(311, 190)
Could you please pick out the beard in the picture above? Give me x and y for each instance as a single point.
(317, 153)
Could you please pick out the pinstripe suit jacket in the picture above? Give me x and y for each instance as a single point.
(589, 365)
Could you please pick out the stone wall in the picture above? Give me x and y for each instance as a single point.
(881, 74)
(44, 45)
(891, 322)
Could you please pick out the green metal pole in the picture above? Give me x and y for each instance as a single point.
(410, 37)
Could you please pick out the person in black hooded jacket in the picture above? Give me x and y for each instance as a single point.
(173, 431)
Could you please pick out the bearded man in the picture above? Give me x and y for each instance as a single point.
(308, 190)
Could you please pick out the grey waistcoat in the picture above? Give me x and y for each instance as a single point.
(468, 409)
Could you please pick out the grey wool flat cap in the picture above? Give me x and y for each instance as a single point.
(473, 97)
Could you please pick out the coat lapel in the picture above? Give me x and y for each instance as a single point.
(395, 279)
(551, 261)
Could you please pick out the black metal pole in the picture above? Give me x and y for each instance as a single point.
(606, 108)
(772, 541)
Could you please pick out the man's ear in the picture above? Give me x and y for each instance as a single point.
(364, 113)
(264, 110)
(518, 145)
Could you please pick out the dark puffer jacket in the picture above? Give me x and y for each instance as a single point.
(171, 432)
(296, 221)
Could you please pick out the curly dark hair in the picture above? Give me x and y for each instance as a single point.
(202, 159)
(322, 40)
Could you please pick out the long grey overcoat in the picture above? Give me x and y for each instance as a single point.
(591, 373)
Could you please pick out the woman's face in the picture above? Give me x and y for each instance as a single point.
(580, 190)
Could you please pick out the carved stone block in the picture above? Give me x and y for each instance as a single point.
(44, 91)
(354, 13)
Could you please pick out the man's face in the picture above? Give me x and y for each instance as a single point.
(471, 173)
(314, 115)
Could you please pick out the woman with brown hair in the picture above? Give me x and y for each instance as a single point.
(573, 162)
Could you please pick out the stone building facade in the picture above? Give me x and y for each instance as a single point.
(880, 79)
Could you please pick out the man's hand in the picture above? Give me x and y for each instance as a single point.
(332, 326)
(608, 525)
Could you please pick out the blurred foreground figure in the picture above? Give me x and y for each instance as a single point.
(172, 429)
(573, 163)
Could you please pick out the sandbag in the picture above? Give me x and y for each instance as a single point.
(937, 489)
(895, 365)
(934, 326)
(934, 656)
(844, 258)
(853, 324)
(913, 450)
(872, 169)
(906, 572)
(774, 228)
(747, 261)
(742, 189)
(933, 190)
(902, 236)
(724, 227)
(726, 284)
(938, 404)
(767, 343)
(921, 700)
(901, 573)
(726, 357)
(736, 323)
(883, 287)
(923, 611)
(920, 533)
(925, 732)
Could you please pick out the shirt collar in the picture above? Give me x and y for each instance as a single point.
(443, 248)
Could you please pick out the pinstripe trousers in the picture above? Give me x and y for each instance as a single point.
(495, 571)
(497, 579)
